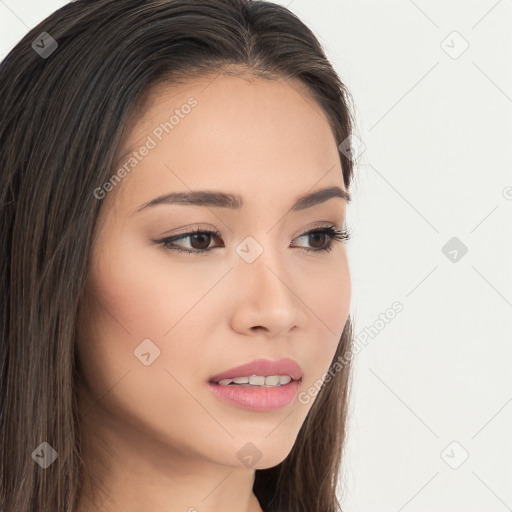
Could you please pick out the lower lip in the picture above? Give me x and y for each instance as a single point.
(257, 398)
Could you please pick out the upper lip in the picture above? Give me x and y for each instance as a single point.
(263, 367)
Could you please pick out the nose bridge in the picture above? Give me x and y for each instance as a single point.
(261, 269)
(257, 255)
(267, 276)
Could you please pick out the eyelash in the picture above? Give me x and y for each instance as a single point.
(334, 234)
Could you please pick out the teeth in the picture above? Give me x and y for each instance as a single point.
(258, 380)
(269, 381)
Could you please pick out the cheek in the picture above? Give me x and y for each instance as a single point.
(136, 293)
(144, 291)
(327, 295)
(131, 299)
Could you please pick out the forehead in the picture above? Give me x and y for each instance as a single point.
(239, 134)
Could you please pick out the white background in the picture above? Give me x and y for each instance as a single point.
(433, 385)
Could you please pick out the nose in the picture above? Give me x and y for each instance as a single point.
(266, 299)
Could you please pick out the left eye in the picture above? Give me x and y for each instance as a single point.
(200, 240)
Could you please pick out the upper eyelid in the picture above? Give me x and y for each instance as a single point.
(315, 228)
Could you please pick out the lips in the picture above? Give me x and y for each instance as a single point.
(263, 367)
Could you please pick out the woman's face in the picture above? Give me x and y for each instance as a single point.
(157, 324)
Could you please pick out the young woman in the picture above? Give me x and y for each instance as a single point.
(175, 288)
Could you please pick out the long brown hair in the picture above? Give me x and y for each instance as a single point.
(64, 107)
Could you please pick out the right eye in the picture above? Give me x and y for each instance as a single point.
(200, 238)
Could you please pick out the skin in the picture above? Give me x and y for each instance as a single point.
(155, 437)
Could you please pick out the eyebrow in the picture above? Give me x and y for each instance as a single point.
(224, 200)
